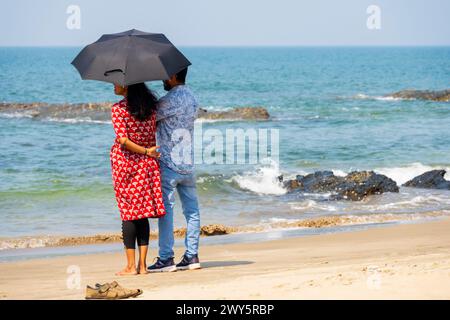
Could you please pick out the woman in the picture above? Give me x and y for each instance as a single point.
(135, 170)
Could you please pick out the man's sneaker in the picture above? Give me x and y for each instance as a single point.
(162, 266)
(189, 263)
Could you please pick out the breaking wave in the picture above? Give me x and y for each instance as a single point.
(264, 180)
(404, 173)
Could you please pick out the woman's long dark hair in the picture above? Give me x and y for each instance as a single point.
(141, 101)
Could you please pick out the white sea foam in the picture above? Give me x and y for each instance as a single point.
(415, 202)
(26, 242)
(400, 174)
(216, 108)
(339, 173)
(350, 109)
(389, 98)
(304, 205)
(346, 220)
(408, 172)
(363, 96)
(264, 180)
(201, 180)
(10, 115)
(208, 179)
(312, 205)
(78, 120)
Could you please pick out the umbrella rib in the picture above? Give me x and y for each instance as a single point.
(126, 60)
(115, 52)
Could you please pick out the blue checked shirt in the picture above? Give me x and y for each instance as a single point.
(175, 116)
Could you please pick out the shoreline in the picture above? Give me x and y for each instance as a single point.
(15, 255)
(211, 230)
(409, 261)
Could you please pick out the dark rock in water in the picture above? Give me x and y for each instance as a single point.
(441, 95)
(355, 186)
(240, 113)
(101, 112)
(358, 185)
(320, 181)
(430, 180)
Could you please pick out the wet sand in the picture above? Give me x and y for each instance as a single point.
(219, 229)
(408, 261)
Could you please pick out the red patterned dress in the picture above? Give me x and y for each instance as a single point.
(136, 177)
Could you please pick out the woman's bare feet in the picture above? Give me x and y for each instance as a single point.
(142, 269)
(127, 272)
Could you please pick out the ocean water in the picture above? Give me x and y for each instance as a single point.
(327, 103)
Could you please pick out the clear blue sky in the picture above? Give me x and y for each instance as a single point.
(229, 22)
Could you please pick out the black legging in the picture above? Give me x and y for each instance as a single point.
(135, 230)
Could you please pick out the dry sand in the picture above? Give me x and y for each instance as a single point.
(398, 262)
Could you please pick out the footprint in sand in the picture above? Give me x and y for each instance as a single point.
(311, 283)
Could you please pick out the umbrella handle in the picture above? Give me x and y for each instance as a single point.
(112, 71)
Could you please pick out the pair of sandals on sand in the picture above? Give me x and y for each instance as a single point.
(111, 291)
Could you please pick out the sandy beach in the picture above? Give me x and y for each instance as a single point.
(410, 261)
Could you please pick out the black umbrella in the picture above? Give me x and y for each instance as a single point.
(130, 57)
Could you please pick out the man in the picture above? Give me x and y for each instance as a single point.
(175, 117)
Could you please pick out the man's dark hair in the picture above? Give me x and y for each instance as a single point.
(181, 75)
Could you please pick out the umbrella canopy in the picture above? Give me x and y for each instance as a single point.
(130, 57)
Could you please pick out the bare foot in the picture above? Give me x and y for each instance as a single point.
(127, 272)
(142, 270)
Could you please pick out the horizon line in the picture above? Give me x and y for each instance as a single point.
(252, 46)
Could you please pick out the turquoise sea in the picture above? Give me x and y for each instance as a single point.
(328, 104)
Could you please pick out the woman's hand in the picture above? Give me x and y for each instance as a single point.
(130, 145)
(153, 152)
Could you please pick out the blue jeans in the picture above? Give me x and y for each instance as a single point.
(187, 191)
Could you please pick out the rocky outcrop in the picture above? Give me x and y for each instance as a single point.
(216, 229)
(355, 186)
(320, 181)
(208, 230)
(80, 111)
(429, 180)
(240, 113)
(441, 95)
(101, 112)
